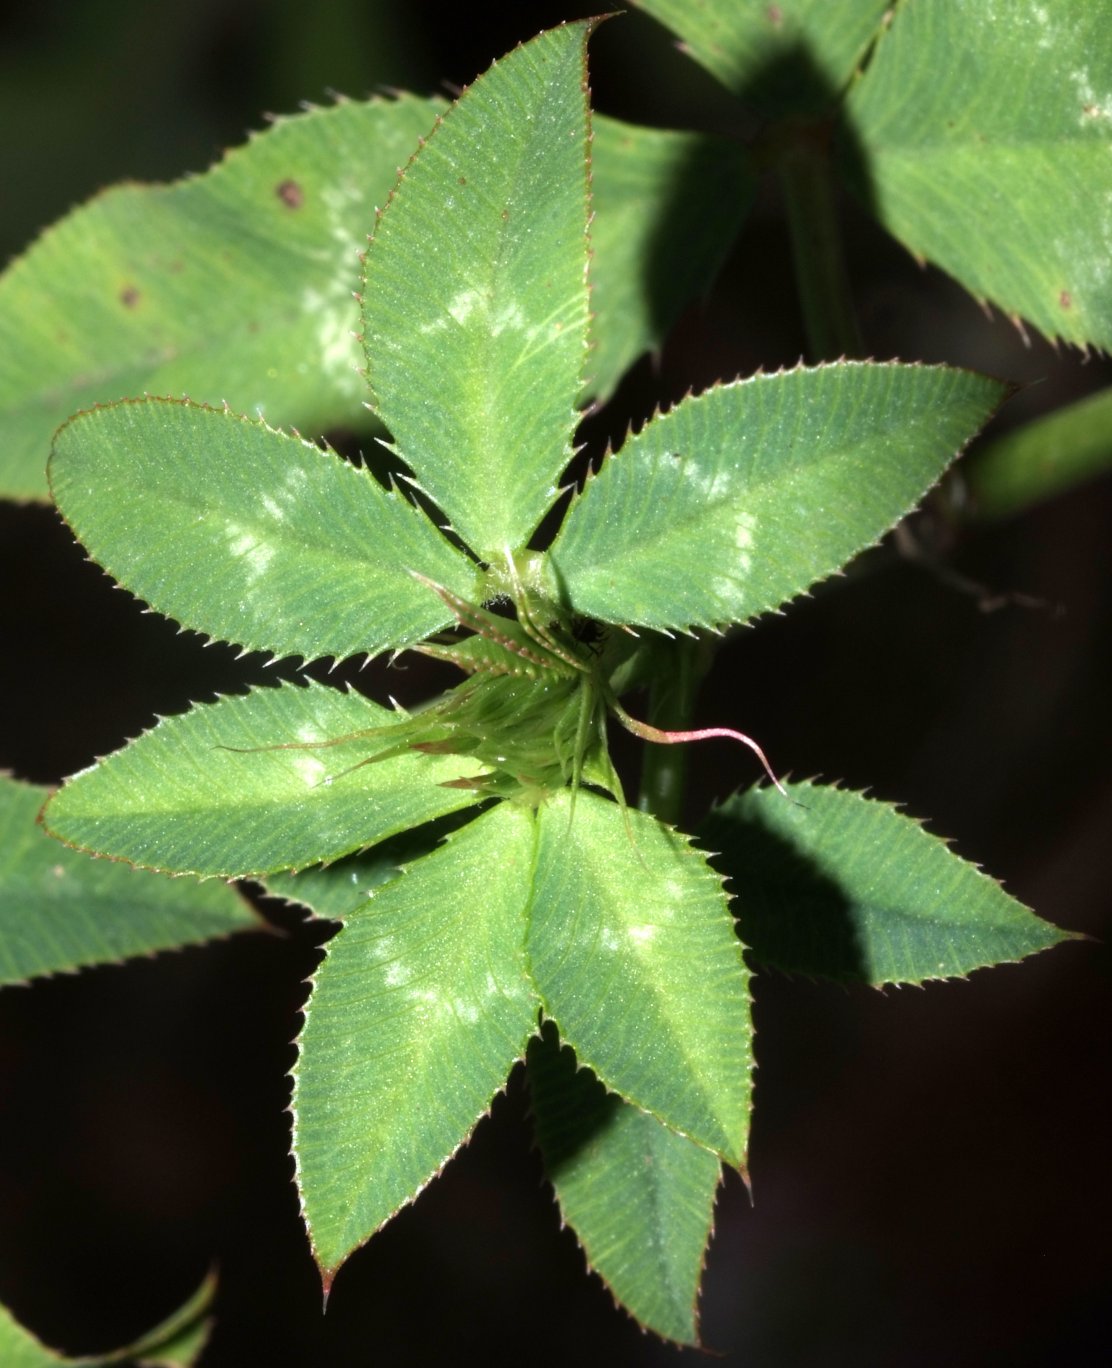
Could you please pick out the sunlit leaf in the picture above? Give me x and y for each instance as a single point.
(633, 952)
(250, 535)
(845, 887)
(981, 136)
(743, 497)
(234, 286)
(417, 1014)
(237, 285)
(639, 1197)
(334, 891)
(221, 789)
(60, 910)
(475, 297)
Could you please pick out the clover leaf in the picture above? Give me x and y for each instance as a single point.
(550, 900)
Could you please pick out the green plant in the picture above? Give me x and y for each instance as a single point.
(507, 882)
(176, 1343)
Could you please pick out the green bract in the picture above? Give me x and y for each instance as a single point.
(549, 900)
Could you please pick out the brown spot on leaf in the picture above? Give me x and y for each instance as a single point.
(505, 216)
(463, 180)
(290, 193)
(1066, 299)
(129, 296)
(775, 15)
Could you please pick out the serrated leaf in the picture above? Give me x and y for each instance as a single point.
(475, 296)
(248, 534)
(639, 1197)
(742, 497)
(1042, 458)
(633, 953)
(417, 1015)
(335, 891)
(177, 1343)
(845, 887)
(982, 139)
(60, 911)
(234, 286)
(792, 57)
(665, 209)
(179, 799)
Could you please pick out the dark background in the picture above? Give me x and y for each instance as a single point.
(930, 1166)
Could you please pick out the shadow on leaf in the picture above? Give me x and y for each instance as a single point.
(791, 915)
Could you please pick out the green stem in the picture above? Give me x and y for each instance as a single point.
(680, 665)
(803, 162)
(1045, 457)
